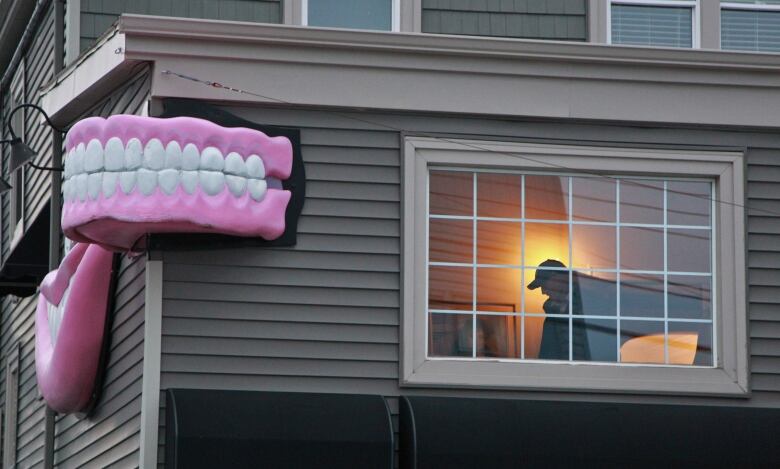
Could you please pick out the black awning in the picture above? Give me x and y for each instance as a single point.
(28, 261)
(503, 433)
(249, 429)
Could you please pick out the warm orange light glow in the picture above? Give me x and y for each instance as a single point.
(650, 349)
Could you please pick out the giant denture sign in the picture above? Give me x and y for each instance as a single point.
(129, 176)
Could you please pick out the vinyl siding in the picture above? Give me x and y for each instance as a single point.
(111, 436)
(98, 15)
(533, 19)
(324, 316)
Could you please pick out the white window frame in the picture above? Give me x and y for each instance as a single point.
(729, 376)
(695, 17)
(742, 6)
(395, 23)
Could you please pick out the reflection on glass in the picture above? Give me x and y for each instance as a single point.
(499, 242)
(451, 193)
(689, 297)
(689, 250)
(547, 197)
(601, 338)
(546, 241)
(450, 335)
(689, 203)
(498, 290)
(547, 281)
(593, 247)
(498, 336)
(450, 240)
(641, 201)
(450, 288)
(499, 195)
(684, 336)
(642, 295)
(641, 248)
(599, 293)
(533, 335)
(642, 342)
(593, 199)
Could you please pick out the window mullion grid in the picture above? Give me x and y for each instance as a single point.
(522, 270)
(617, 266)
(571, 276)
(474, 270)
(666, 275)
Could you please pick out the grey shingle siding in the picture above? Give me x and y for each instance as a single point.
(98, 15)
(531, 19)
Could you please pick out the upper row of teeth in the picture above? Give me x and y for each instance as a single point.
(118, 156)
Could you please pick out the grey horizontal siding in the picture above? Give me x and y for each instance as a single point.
(532, 19)
(98, 15)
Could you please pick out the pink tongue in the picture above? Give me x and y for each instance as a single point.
(55, 283)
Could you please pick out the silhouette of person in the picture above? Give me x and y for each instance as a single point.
(555, 333)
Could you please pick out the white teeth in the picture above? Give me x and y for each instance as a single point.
(212, 182)
(173, 155)
(93, 157)
(133, 154)
(77, 163)
(257, 189)
(94, 184)
(189, 181)
(66, 190)
(147, 181)
(109, 184)
(168, 179)
(69, 164)
(234, 164)
(236, 184)
(211, 159)
(190, 157)
(255, 167)
(115, 154)
(127, 181)
(81, 186)
(154, 155)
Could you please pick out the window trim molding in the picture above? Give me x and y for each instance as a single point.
(395, 16)
(695, 5)
(729, 378)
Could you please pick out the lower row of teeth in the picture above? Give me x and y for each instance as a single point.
(90, 186)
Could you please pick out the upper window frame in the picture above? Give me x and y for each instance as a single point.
(395, 20)
(729, 377)
(695, 17)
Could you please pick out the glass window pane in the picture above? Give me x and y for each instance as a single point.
(689, 203)
(642, 342)
(690, 343)
(597, 293)
(359, 14)
(555, 339)
(641, 201)
(595, 340)
(652, 25)
(498, 336)
(641, 248)
(547, 197)
(752, 30)
(545, 241)
(642, 295)
(593, 199)
(499, 242)
(450, 288)
(451, 240)
(689, 250)
(593, 247)
(499, 290)
(689, 296)
(499, 195)
(450, 335)
(451, 193)
(547, 291)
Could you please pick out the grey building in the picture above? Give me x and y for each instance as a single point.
(450, 148)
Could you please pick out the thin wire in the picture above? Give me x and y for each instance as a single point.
(218, 85)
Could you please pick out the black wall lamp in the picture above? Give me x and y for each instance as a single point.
(21, 153)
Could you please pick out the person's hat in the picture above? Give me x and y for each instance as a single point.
(542, 276)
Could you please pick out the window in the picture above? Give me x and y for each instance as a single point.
(662, 23)
(518, 273)
(750, 25)
(357, 14)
